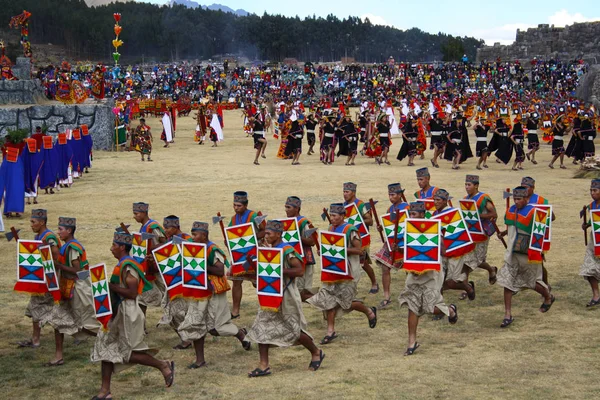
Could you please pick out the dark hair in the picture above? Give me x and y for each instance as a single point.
(127, 247)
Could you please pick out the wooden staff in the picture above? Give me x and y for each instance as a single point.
(507, 199)
(498, 234)
(326, 213)
(379, 227)
(124, 228)
(584, 215)
(15, 233)
(222, 227)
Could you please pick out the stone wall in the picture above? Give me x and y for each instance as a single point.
(545, 41)
(58, 117)
(22, 69)
(589, 88)
(21, 92)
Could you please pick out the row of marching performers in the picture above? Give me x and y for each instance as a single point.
(42, 162)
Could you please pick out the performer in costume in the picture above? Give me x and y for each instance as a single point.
(533, 142)
(426, 191)
(503, 144)
(588, 134)
(124, 343)
(383, 128)
(294, 144)
(339, 297)
(487, 215)
(481, 147)
(258, 135)
(350, 136)
(383, 258)
(517, 136)
(97, 87)
(143, 139)
(40, 305)
(13, 173)
(75, 314)
(422, 294)
(518, 273)
(33, 159)
(153, 296)
(311, 124)
(208, 310)
(174, 310)
(558, 144)
(242, 216)
(409, 145)
(365, 259)
(327, 141)
(590, 269)
(438, 143)
(304, 283)
(456, 277)
(575, 147)
(285, 326)
(458, 149)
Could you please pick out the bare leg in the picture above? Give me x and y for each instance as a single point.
(148, 360)
(369, 270)
(59, 339)
(358, 306)
(386, 281)
(37, 331)
(594, 284)
(331, 321)
(413, 322)
(236, 295)
(508, 294)
(264, 147)
(107, 371)
(199, 349)
(309, 344)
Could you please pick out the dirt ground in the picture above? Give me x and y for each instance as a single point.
(551, 355)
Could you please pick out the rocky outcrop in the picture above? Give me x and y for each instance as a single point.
(59, 117)
(545, 41)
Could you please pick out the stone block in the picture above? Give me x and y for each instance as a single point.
(23, 121)
(86, 110)
(15, 97)
(39, 112)
(8, 116)
(68, 112)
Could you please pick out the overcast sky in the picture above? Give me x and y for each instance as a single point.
(492, 21)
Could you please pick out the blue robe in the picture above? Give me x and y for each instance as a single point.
(64, 154)
(32, 163)
(49, 169)
(13, 186)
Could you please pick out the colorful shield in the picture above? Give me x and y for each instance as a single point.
(548, 235)
(242, 244)
(354, 218)
(470, 214)
(30, 271)
(333, 255)
(422, 249)
(194, 265)
(139, 248)
(291, 234)
(595, 221)
(429, 207)
(50, 272)
(101, 294)
(388, 223)
(168, 260)
(538, 232)
(269, 278)
(457, 239)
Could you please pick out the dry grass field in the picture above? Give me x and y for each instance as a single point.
(550, 356)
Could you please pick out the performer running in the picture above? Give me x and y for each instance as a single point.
(40, 305)
(383, 127)
(590, 269)
(438, 143)
(481, 148)
(422, 294)
(558, 144)
(311, 125)
(383, 258)
(258, 135)
(208, 312)
(143, 139)
(409, 145)
(533, 142)
(124, 343)
(518, 273)
(338, 298)
(517, 136)
(286, 326)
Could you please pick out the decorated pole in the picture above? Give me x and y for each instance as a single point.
(117, 42)
(22, 21)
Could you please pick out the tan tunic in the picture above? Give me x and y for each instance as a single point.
(71, 316)
(281, 328)
(125, 332)
(40, 305)
(517, 273)
(340, 295)
(591, 264)
(422, 293)
(453, 267)
(478, 256)
(154, 296)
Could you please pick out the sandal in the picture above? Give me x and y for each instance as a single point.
(28, 344)
(329, 338)
(171, 378)
(196, 366)
(182, 346)
(544, 308)
(259, 372)
(384, 303)
(56, 363)
(315, 365)
(375, 289)
(411, 350)
(493, 278)
(235, 316)
(506, 322)
(245, 343)
(437, 317)
(373, 322)
(593, 303)
(471, 295)
(533, 161)
(453, 320)
(563, 167)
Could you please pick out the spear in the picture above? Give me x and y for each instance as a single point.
(583, 214)
(325, 216)
(379, 227)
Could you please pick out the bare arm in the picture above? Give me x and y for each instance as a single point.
(296, 269)
(130, 292)
(218, 269)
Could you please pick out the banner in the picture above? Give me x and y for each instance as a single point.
(422, 245)
(242, 245)
(291, 235)
(334, 259)
(548, 235)
(168, 261)
(429, 207)
(195, 275)
(101, 295)
(388, 223)
(50, 273)
(470, 214)
(354, 218)
(269, 278)
(457, 239)
(538, 232)
(30, 271)
(595, 222)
